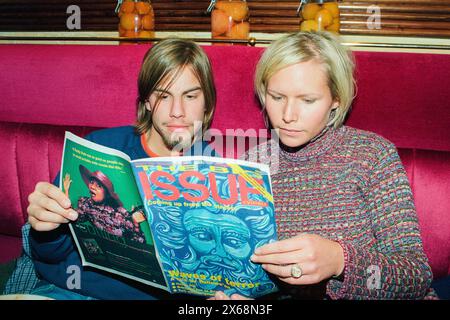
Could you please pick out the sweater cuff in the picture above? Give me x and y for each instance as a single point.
(48, 236)
(338, 287)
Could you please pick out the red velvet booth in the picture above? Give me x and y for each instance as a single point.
(46, 89)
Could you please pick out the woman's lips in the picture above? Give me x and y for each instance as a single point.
(291, 132)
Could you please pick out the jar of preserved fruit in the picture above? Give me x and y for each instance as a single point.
(137, 19)
(320, 15)
(229, 19)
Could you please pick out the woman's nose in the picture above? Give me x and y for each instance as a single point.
(289, 113)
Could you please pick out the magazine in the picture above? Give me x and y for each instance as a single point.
(182, 224)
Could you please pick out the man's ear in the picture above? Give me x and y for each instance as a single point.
(148, 106)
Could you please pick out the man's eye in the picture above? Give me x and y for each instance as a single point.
(164, 96)
(310, 101)
(191, 96)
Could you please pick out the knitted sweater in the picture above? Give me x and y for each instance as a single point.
(349, 186)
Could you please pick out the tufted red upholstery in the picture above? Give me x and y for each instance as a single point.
(46, 89)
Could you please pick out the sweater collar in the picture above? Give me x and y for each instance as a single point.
(318, 146)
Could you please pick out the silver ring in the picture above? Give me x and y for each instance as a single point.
(296, 271)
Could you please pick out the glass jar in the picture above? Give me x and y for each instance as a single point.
(230, 20)
(137, 19)
(320, 15)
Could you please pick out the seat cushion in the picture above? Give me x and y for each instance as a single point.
(431, 187)
(10, 248)
(31, 153)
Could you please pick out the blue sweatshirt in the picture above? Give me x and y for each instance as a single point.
(54, 252)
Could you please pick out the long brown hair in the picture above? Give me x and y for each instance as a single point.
(163, 63)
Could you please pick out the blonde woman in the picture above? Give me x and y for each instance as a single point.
(346, 219)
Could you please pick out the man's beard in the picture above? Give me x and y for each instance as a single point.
(178, 142)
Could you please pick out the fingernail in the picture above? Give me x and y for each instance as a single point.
(257, 251)
(73, 215)
(67, 203)
(253, 257)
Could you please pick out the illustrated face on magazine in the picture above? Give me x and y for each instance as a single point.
(214, 243)
(97, 191)
(206, 245)
(219, 240)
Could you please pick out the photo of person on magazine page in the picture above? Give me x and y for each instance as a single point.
(111, 232)
(103, 208)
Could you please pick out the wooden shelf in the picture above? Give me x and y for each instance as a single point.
(426, 18)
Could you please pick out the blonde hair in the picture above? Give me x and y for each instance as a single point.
(164, 62)
(305, 46)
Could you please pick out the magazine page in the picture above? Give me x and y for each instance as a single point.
(111, 232)
(207, 216)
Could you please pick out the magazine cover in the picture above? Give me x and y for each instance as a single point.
(111, 231)
(183, 224)
(208, 215)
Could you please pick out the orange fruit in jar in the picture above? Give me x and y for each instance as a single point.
(148, 23)
(309, 25)
(237, 10)
(323, 18)
(127, 7)
(220, 22)
(122, 32)
(332, 7)
(222, 5)
(143, 7)
(130, 21)
(220, 43)
(145, 34)
(310, 10)
(239, 31)
(131, 34)
(335, 26)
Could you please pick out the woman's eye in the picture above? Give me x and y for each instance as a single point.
(191, 96)
(309, 101)
(276, 98)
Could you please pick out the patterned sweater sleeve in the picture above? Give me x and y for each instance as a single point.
(394, 266)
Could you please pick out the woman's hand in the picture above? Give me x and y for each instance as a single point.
(317, 257)
(49, 207)
(222, 296)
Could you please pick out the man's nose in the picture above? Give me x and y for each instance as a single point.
(177, 108)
